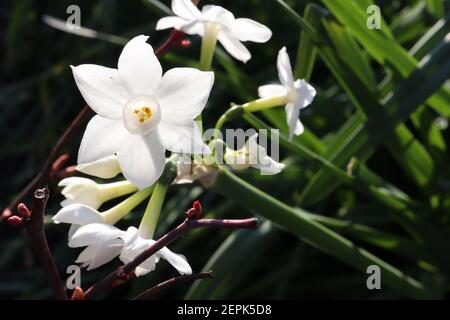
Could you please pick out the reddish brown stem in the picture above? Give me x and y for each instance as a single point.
(148, 294)
(174, 40)
(122, 274)
(34, 227)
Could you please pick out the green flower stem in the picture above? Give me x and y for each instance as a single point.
(116, 189)
(237, 110)
(114, 214)
(297, 222)
(151, 215)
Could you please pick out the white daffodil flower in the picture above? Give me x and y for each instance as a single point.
(105, 168)
(216, 22)
(299, 94)
(140, 112)
(105, 242)
(252, 155)
(86, 191)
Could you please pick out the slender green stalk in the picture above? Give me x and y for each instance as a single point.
(114, 214)
(150, 219)
(297, 222)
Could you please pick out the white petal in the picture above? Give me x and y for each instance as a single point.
(178, 261)
(305, 93)
(105, 168)
(292, 114)
(139, 68)
(271, 90)
(98, 255)
(234, 46)
(186, 9)
(249, 30)
(285, 69)
(102, 138)
(186, 139)
(102, 89)
(134, 245)
(183, 93)
(73, 228)
(219, 15)
(187, 26)
(269, 166)
(75, 181)
(77, 214)
(94, 233)
(171, 22)
(142, 159)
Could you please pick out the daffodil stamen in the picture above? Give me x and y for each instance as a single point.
(143, 114)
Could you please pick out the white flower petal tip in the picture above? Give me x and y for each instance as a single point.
(77, 214)
(140, 114)
(105, 168)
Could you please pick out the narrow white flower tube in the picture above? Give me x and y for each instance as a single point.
(80, 214)
(252, 155)
(104, 242)
(299, 94)
(105, 168)
(216, 22)
(86, 191)
(141, 113)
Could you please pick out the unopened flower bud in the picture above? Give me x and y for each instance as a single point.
(23, 210)
(15, 221)
(195, 212)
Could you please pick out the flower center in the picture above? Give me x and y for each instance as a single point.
(141, 115)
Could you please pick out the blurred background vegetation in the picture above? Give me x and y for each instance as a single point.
(38, 99)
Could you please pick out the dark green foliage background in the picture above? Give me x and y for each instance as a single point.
(38, 99)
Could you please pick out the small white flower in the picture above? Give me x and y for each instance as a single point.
(219, 21)
(140, 112)
(299, 94)
(86, 191)
(105, 242)
(105, 168)
(252, 155)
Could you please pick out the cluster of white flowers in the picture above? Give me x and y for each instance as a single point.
(141, 113)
